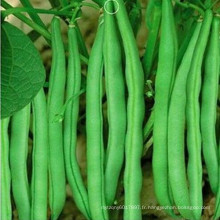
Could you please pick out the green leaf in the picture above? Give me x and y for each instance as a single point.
(22, 70)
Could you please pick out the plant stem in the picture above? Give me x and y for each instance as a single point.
(34, 17)
(35, 10)
(190, 5)
(29, 22)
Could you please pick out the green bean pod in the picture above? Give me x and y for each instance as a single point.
(94, 129)
(163, 86)
(57, 182)
(116, 106)
(135, 116)
(148, 13)
(149, 54)
(208, 106)
(176, 131)
(6, 209)
(193, 117)
(70, 125)
(18, 153)
(39, 159)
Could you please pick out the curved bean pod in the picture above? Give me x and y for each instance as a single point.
(70, 125)
(193, 117)
(135, 116)
(5, 209)
(163, 87)
(176, 127)
(94, 129)
(57, 183)
(18, 162)
(116, 106)
(208, 106)
(40, 154)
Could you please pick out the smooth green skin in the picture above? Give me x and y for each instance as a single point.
(135, 116)
(163, 86)
(94, 130)
(185, 43)
(152, 40)
(74, 177)
(149, 12)
(116, 106)
(18, 162)
(208, 106)
(176, 130)
(193, 117)
(39, 186)
(6, 210)
(57, 182)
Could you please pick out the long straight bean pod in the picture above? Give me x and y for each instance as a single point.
(193, 117)
(18, 153)
(135, 115)
(57, 182)
(74, 177)
(5, 177)
(94, 129)
(176, 131)
(39, 186)
(116, 106)
(163, 87)
(208, 106)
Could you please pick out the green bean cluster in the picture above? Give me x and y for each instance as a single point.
(160, 107)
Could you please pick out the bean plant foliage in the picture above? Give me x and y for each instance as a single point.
(22, 70)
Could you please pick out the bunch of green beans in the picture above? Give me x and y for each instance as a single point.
(163, 87)
(40, 145)
(176, 123)
(135, 115)
(94, 129)
(193, 86)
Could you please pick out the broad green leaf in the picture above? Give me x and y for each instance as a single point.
(22, 70)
